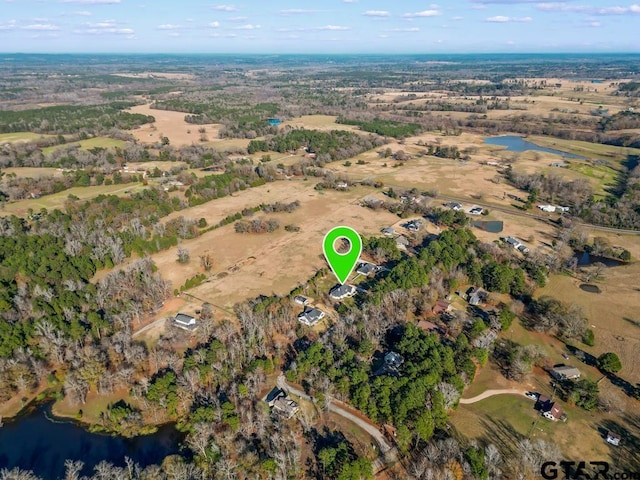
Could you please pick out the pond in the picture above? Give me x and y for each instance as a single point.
(490, 226)
(516, 143)
(588, 287)
(585, 259)
(39, 442)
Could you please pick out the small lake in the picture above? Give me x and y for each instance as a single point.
(587, 287)
(39, 442)
(585, 259)
(516, 143)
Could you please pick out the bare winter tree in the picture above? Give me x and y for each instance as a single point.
(206, 261)
(183, 255)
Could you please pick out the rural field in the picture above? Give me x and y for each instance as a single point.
(57, 200)
(247, 265)
(171, 125)
(33, 172)
(96, 142)
(21, 137)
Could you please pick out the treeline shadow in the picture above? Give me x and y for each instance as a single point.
(626, 456)
(502, 435)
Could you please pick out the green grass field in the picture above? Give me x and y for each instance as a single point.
(604, 175)
(97, 142)
(504, 419)
(21, 137)
(57, 200)
(586, 149)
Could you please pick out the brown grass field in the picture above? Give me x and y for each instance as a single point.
(319, 122)
(247, 265)
(33, 172)
(171, 125)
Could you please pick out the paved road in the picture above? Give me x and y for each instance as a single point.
(491, 393)
(386, 449)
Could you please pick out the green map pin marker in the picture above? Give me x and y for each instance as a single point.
(342, 264)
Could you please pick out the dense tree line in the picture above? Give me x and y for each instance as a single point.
(328, 146)
(72, 119)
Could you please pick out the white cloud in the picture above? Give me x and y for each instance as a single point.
(457, 19)
(45, 27)
(594, 24)
(248, 26)
(223, 35)
(424, 13)
(82, 13)
(238, 19)
(168, 26)
(349, 1)
(612, 10)
(214, 24)
(92, 2)
(105, 31)
(10, 25)
(505, 1)
(408, 29)
(383, 36)
(106, 27)
(225, 8)
(376, 13)
(296, 11)
(503, 19)
(334, 28)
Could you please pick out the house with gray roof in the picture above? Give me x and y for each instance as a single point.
(565, 372)
(185, 322)
(310, 316)
(342, 291)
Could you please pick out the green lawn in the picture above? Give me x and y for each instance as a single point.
(21, 137)
(57, 200)
(97, 142)
(606, 176)
(586, 149)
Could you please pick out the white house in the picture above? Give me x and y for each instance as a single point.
(185, 322)
(547, 208)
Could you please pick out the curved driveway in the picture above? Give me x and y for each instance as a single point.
(491, 393)
(368, 427)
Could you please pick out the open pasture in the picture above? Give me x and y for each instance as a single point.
(172, 125)
(247, 265)
(57, 200)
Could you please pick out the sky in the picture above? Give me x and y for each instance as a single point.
(318, 26)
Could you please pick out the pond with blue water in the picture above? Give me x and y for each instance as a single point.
(37, 441)
(516, 143)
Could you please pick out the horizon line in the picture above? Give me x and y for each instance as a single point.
(497, 52)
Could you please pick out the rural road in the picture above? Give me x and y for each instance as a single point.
(491, 393)
(368, 427)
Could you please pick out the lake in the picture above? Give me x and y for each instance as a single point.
(39, 442)
(585, 259)
(516, 143)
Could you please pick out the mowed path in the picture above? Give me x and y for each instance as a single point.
(491, 393)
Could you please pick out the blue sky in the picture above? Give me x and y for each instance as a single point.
(327, 26)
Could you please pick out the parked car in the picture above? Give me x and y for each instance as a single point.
(532, 395)
(476, 211)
